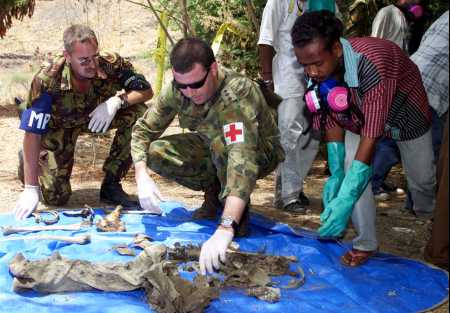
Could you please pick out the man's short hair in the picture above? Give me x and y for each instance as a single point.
(316, 25)
(78, 33)
(189, 51)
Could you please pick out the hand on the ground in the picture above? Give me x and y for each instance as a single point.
(103, 115)
(28, 201)
(214, 250)
(149, 194)
(340, 209)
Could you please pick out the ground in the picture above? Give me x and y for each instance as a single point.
(131, 31)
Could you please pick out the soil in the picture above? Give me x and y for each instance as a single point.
(131, 31)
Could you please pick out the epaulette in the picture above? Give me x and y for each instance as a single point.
(108, 56)
(110, 62)
(240, 85)
(48, 76)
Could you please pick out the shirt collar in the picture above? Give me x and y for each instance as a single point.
(351, 61)
(221, 75)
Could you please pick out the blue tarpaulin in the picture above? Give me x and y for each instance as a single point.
(386, 283)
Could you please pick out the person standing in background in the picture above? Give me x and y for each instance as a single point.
(282, 73)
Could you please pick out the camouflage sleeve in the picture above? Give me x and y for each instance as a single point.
(240, 134)
(113, 63)
(153, 123)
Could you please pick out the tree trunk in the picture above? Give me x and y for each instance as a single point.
(188, 30)
(250, 8)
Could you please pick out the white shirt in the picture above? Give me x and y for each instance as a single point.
(278, 18)
(390, 23)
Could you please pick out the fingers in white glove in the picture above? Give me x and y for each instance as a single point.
(106, 126)
(214, 251)
(149, 194)
(103, 115)
(96, 125)
(150, 204)
(27, 203)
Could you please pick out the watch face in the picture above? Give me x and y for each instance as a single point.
(227, 222)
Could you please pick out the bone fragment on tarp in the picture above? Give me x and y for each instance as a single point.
(9, 230)
(80, 240)
(112, 222)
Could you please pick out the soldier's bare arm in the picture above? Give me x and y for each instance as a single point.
(31, 150)
(137, 96)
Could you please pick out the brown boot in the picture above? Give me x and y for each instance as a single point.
(244, 225)
(211, 206)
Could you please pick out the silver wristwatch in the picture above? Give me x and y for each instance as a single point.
(228, 222)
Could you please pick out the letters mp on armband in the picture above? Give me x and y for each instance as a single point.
(234, 133)
(35, 119)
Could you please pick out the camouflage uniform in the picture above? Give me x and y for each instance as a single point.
(360, 17)
(70, 118)
(196, 159)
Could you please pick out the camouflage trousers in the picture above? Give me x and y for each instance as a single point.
(58, 148)
(191, 162)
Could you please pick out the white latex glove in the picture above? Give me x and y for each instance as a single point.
(28, 201)
(213, 249)
(148, 194)
(103, 115)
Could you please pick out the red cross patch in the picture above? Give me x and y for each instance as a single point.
(234, 133)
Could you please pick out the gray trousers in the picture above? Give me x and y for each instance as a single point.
(420, 171)
(301, 150)
(417, 158)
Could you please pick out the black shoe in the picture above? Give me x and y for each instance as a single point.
(211, 205)
(295, 207)
(388, 188)
(303, 199)
(20, 171)
(113, 193)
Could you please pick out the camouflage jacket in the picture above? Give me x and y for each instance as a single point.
(69, 108)
(239, 101)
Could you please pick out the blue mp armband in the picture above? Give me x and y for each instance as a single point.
(132, 81)
(35, 119)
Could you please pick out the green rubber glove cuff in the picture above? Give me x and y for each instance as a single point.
(336, 158)
(341, 208)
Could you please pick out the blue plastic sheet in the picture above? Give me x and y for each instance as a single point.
(386, 284)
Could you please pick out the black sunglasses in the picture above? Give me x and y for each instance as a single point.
(196, 85)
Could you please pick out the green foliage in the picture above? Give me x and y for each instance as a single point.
(238, 52)
(10, 9)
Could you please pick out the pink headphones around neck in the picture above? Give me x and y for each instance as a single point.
(328, 92)
(416, 10)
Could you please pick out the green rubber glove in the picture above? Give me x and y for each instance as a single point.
(341, 208)
(336, 158)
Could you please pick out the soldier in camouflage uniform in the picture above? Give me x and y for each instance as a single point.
(360, 17)
(233, 141)
(75, 92)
